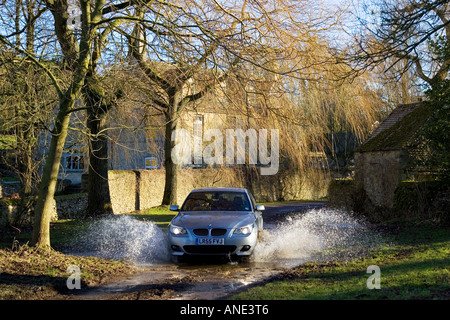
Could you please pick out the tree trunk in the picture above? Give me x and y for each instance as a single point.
(170, 188)
(24, 166)
(43, 211)
(99, 201)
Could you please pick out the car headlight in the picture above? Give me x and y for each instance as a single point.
(175, 230)
(246, 230)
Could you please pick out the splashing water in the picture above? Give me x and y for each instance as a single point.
(124, 238)
(318, 234)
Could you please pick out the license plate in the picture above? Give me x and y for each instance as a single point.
(210, 241)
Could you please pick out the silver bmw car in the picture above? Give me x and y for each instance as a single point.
(216, 221)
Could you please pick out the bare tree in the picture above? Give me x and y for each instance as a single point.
(80, 52)
(189, 42)
(189, 53)
(262, 47)
(25, 97)
(407, 30)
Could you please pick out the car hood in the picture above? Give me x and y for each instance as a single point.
(217, 219)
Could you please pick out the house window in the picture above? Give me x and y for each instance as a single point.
(73, 159)
(151, 163)
(198, 126)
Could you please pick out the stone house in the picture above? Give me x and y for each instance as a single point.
(388, 156)
(134, 149)
(134, 145)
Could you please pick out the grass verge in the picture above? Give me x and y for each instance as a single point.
(414, 265)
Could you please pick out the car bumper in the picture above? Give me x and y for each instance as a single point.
(240, 245)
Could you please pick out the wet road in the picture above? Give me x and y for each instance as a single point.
(210, 279)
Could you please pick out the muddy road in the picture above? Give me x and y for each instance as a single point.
(286, 243)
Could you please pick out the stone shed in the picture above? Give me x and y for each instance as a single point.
(387, 156)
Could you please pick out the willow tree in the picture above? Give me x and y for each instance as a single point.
(187, 49)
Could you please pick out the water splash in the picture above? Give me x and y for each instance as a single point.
(320, 234)
(124, 238)
(317, 234)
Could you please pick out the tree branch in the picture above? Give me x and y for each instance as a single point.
(38, 63)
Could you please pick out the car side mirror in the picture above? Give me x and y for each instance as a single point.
(173, 208)
(260, 207)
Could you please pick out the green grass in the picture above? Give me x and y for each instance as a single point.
(64, 231)
(160, 215)
(415, 265)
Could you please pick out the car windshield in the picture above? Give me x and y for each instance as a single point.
(216, 201)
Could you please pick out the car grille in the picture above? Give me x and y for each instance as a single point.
(218, 232)
(214, 232)
(201, 232)
(207, 249)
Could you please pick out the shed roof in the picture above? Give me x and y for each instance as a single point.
(399, 130)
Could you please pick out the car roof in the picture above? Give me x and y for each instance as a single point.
(229, 189)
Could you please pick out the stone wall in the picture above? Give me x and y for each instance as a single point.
(378, 173)
(132, 190)
(64, 207)
(425, 200)
(122, 190)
